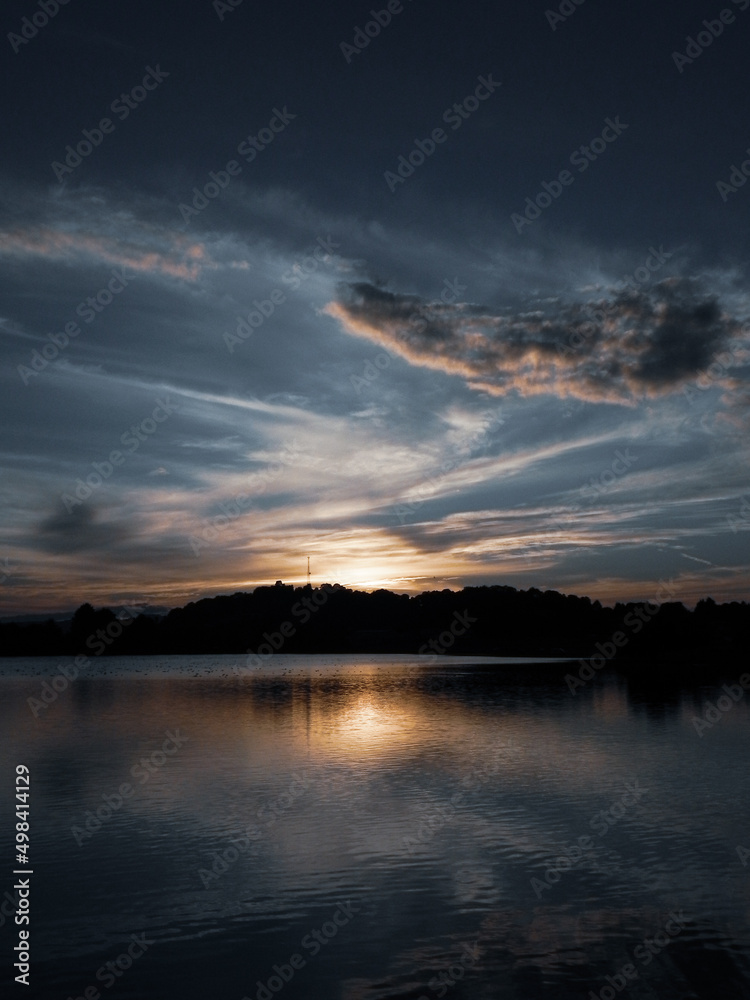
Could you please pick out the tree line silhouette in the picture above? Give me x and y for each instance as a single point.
(488, 620)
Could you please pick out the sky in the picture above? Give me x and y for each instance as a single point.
(435, 295)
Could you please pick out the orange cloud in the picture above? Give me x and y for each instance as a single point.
(634, 346)
(181, 258)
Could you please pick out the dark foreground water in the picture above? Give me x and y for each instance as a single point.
(355, 829)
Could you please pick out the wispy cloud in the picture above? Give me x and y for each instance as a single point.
(171, 255)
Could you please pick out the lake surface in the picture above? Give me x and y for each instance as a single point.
(363, 828)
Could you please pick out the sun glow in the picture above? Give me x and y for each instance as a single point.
(368, 727)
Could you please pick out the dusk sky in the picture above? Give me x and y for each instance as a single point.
(466, 304)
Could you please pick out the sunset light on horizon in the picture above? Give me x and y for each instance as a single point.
(491, 326)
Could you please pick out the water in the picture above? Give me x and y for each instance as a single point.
(374, 828)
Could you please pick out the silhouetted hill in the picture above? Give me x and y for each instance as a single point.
(495, 621)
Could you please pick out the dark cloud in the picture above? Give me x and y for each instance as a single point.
(684, 339)
(84, 529)
(620, 348)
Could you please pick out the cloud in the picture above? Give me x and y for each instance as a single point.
(630, 346)
(176, 257)
(82, 530)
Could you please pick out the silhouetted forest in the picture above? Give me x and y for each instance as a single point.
(494, 621)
